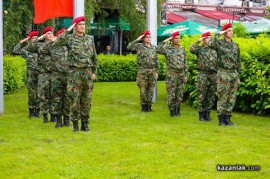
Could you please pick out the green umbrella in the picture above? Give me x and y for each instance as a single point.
(187, 27)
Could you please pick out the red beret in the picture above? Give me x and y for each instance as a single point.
(174, 34)
(47, 29)
(60, 32)
(146, 33)
(226, 26)
(206, 34)
(78, 19)
(33, 33)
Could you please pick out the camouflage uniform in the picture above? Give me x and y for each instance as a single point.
(206, 81)
(32, 75)
(148, 65)
(229, 70)
(44, 69)
(177, 70)
(59, 77)
(83, 63)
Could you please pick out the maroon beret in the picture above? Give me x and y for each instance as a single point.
(206, 34)
(174, 34)
(60, 32)
(226, 26)
(78, 19)
(47, 29)
(33, 33)
(145, 33)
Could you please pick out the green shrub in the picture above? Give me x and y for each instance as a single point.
(14, 73)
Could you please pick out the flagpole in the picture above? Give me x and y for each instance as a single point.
(78, 8)
(1, 61)
(152, 27)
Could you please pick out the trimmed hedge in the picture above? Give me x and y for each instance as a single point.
(14, 73)
(253, 94)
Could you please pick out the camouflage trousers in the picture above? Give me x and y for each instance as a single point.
(175, 88)
(79, 88)
(59, 98)
(44, 92)
(226, 88)
(206, 88)
(146, 83)
(32, 86)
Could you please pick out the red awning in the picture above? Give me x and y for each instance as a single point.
(218, 15)
(173, 18)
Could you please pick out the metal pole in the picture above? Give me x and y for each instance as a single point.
(78, 8)
(152, 27)
(121, 40)
(1, 61)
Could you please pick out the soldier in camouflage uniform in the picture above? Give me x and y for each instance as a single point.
(148, 65)
(59, 74)
(176, 72)
(32, 73)
(228, 75)
(206, 81)
(44, 68)
(83, 65)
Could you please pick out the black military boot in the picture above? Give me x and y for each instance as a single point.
(31, 113)
(228, 120)
(58, 121)
(45, 118)
(221, 119)
(66, 121)
(53, 118)
(172, 113)
(177, 111)
(149, 107)
(85, 126)
(144, 108)
(75, 126)
(37, 112)
(207, 116)
(202, 116)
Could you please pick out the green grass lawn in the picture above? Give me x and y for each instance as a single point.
(126, 143)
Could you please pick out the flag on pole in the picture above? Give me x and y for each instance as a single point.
(48, 9)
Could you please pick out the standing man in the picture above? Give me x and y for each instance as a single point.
(32, 73)
(58, 89)
(176, 73)
(44, 69)
(148, 65)
(206, 80)
(83, 63)
(228, 75)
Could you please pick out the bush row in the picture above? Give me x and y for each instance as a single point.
(253, 94)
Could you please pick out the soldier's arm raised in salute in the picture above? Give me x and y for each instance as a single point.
(213, 43)
(195, 47)
(133, 46)
(62, 40)
(18, 48)
(162, 47)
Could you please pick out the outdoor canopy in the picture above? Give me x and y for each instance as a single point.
(187, 27)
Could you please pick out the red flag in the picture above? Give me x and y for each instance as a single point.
(48, 9)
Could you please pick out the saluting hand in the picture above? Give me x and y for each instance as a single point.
(24, 40)
(42, 37)
(168, 39)
(71, 27)
(140, 38)
(156, 76)
(54, 38)
(222, 32)
(201, 39)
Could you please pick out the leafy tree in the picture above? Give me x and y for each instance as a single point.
(239, 30)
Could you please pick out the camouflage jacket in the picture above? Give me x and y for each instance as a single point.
(176, 57)
(146, 56)
(59, 57)
(81, 50)
(228, 53)
(207, 57)
(31, 58)
(44, 58)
